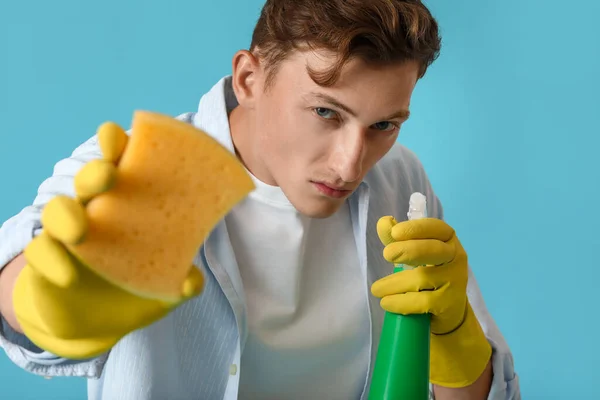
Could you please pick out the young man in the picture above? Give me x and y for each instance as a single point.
(295, 285)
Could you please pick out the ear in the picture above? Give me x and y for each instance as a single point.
(246, 78)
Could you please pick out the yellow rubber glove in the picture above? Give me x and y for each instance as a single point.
(61, 305)
(459, 349)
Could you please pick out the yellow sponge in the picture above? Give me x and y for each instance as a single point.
(173, 184)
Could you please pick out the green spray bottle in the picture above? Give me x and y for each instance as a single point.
(401, 369)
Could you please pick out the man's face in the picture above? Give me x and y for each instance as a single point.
(318, 143)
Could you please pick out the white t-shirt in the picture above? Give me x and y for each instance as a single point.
(308, 322)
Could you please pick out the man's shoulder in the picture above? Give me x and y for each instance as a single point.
(395, 177)
(400, 154)
(399, 164)
(186, 117)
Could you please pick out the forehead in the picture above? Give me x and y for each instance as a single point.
(360, 84)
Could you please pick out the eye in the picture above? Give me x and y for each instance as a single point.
(325, 113)
(386, 126)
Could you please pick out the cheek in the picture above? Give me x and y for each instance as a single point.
(270, 128)
(301, 138)
(281, 143)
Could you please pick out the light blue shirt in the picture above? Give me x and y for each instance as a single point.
(194, 353)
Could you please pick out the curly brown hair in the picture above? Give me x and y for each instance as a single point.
(376, 31)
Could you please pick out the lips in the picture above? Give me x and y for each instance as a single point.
(331, 191)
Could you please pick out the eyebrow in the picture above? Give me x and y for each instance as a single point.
(332, 101)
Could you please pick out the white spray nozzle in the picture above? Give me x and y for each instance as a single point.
(417, 206)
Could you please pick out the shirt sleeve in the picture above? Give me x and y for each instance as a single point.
(505, 384)
(15, 235)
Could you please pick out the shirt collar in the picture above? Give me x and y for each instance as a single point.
(213, 112)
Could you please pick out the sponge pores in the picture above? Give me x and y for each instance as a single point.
(173, 185)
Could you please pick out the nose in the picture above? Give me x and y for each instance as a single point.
(348, 155)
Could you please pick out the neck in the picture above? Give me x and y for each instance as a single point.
(245, 139)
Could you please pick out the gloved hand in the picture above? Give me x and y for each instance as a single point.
(438, 286)
(61, 305)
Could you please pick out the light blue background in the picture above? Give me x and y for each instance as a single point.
(505, 122)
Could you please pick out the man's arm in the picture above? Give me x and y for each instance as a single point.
(8, 276)
(15, 235)
(499, 380)
(477, 391)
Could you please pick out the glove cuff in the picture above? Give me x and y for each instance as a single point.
(459, 358)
